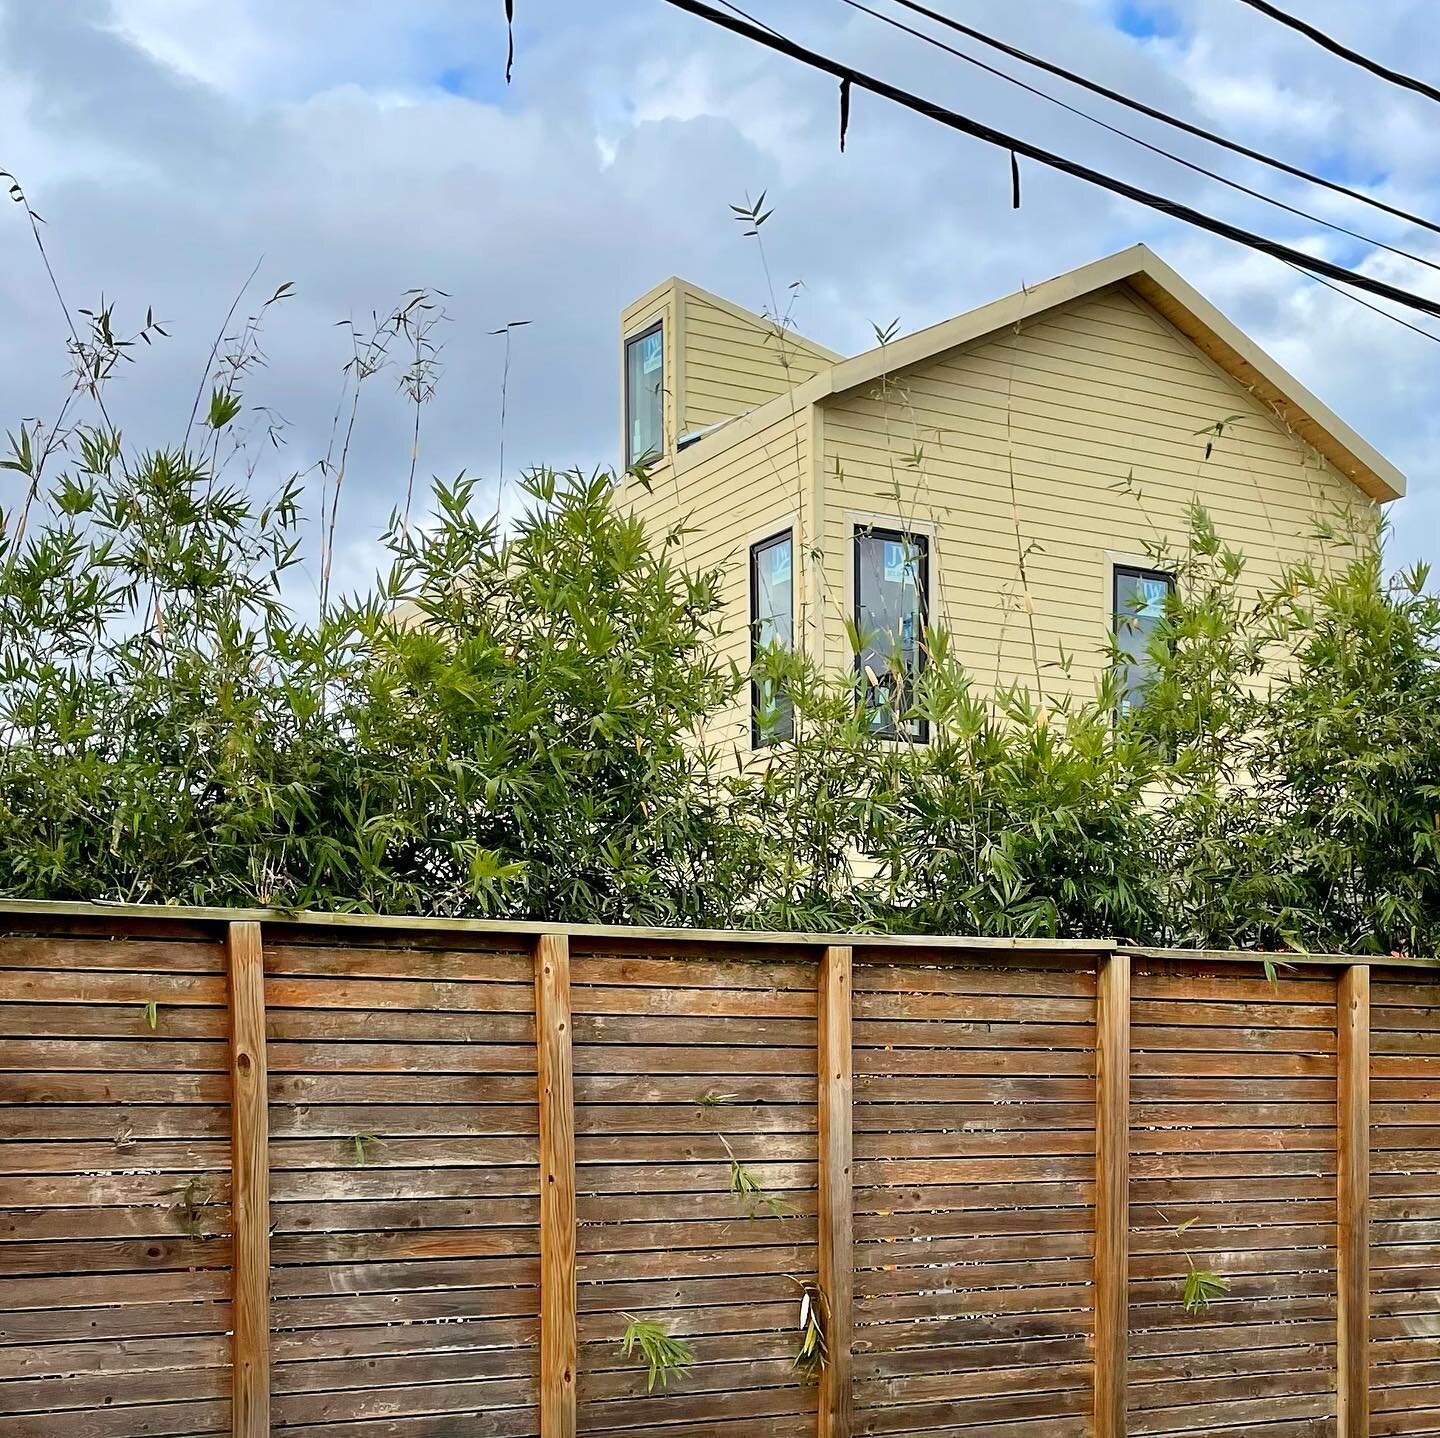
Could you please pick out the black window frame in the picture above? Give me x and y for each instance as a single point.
(1118, 571)
(760, 546)
(631, 460)
(921, 734)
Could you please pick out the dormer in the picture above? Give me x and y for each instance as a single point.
(690, 360)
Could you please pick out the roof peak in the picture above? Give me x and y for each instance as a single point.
(1182, 306)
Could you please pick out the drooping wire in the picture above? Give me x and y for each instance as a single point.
(1119, 98)
(1330, 43)
(1138, 140)
(746, 15)
(954, 120)
(1357, 299)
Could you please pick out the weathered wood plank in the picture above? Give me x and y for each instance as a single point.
(409, 1283)
(836, 1198)
(250, 1195)
(557, 1188)
(1112, 1194)
(1353, 1238)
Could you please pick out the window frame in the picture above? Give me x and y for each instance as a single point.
(757, 548)
(862, 529)
(1131, 569)
(658, 327)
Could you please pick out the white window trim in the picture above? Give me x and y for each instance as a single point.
(854, 519)
(770, 528)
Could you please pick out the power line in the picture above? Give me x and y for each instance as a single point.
(848, 76)
(1384, 314)
(1126, 134)
(1178, 124)
(1174, 121)
(1328, 42)
(746, 15)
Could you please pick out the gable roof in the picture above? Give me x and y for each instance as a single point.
(1182, 306)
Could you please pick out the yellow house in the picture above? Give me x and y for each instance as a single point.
(1006, 474)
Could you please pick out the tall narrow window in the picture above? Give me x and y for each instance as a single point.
(772, 622)
(1139, 606)
(892, 581)
(645, 396)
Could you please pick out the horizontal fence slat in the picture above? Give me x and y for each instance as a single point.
(404, 1156)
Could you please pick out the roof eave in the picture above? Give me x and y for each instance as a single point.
(1183, 307)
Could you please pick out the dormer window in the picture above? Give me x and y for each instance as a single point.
(645, 396)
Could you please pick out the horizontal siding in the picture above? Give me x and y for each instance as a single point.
(1034, 432)
(743, 491)
(732, 365)
(1048, 484)
(933, 406)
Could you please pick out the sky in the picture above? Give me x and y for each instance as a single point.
(361, 149)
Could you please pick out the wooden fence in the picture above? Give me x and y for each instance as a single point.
(376, 1179)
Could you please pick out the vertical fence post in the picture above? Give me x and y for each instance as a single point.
(835, 1206)
(1112, 1192)
(1353, 1201)
(250, 1182)
(557, 1187)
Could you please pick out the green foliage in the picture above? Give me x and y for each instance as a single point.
(1271, 968)
(361, 1144)
(712, 1099)
(746, 1186)
(808, 806)
(223, 408)
(535, 706)
(1020, 817)
(1301, 807)
(1202, 1288)
(191, 1202)
(664, 1357)
(501, 728)
(812, 1354)
(521, 722)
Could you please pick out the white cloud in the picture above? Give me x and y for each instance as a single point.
(364, 147)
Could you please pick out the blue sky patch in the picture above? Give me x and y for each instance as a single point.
(1146, 20)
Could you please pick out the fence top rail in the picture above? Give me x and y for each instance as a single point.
(59, 909)
(1281, 958)
(66, 909)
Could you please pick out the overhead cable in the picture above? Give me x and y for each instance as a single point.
(1330, 43)
(1136, 139)
(952, 119)
(1163, 117)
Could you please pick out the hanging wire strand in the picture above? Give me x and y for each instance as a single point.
(1137, 140)
(988, 134)
(1119, 98)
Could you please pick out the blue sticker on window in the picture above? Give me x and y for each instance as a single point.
(652, 353)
